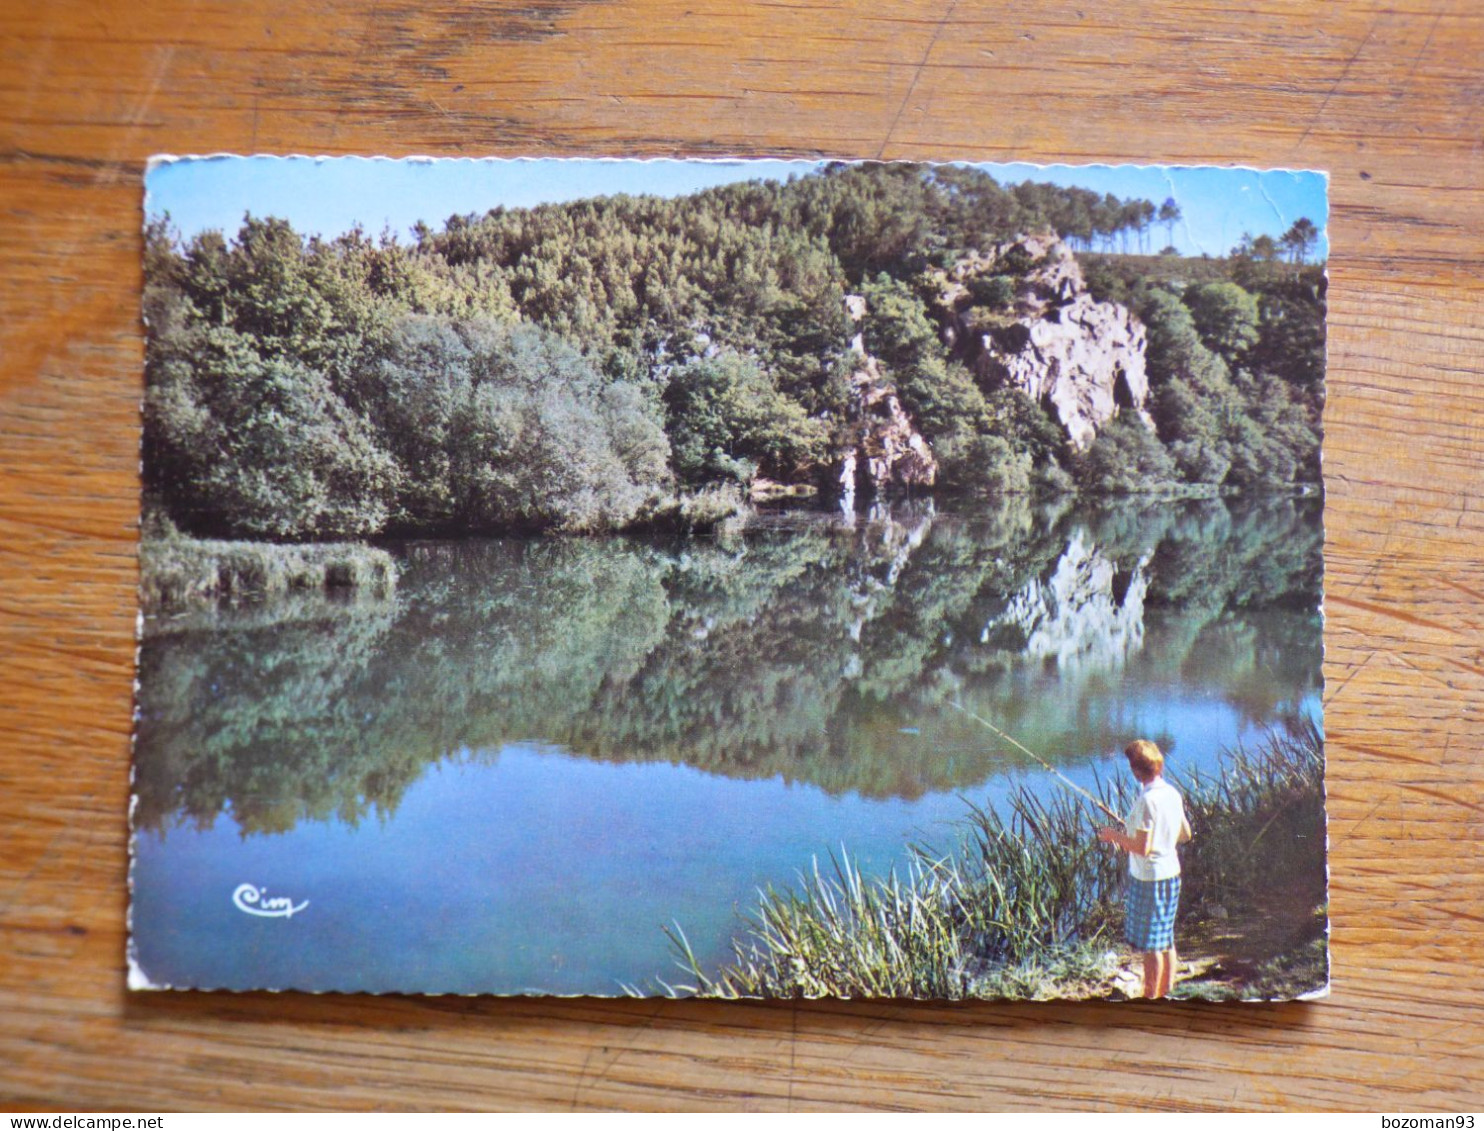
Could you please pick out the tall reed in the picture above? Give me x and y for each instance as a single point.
(178, 572)
(1260, 817)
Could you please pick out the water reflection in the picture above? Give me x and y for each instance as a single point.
(812, 649)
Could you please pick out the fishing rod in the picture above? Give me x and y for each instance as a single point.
(1045, 765)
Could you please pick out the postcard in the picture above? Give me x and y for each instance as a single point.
(744, 578)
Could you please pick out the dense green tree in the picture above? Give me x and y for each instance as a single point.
(726, 421)
(987, 463)
(1225, 316)
(516, 428)
(255, 447)
(1237, 428)
(1264, 249)
(1291, 334)
(941, 397)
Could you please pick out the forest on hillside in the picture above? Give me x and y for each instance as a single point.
(622, 361)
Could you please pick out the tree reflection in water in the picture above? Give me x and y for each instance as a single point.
(813, 648)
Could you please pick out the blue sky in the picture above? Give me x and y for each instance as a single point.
(330, 195)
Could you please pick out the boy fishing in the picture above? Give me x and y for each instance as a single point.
(1154, 827)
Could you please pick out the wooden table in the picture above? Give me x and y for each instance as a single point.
(1389, 99)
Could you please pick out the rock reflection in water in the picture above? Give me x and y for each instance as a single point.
(1088, 614)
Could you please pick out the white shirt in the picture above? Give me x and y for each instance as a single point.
(1159, 810)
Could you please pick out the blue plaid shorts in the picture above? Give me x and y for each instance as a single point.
(1149, 922)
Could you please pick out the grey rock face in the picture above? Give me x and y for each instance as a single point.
(887, 452)
(1083, 359)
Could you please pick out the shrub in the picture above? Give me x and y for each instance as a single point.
(1125, 459)
(717, 507)
(984, 463)
(993, 291)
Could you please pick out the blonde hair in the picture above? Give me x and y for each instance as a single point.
(1144, 759)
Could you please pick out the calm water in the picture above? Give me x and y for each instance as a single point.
(512, 775)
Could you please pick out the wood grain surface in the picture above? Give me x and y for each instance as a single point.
(1389, 99)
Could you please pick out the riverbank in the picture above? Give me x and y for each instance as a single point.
(1027, 905)
(179, 573)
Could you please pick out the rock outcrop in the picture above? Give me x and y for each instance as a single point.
(885, 452)
(1082, 359)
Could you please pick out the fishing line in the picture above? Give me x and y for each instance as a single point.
(1045, 765)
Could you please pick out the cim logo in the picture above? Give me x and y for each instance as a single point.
(255, 901)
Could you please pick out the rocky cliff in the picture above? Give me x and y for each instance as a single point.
(1041, 332)
(885, 451)
(1016, 313)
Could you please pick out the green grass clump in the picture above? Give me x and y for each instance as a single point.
(178, 572)
(1261, 817)
(719, 508)
(1024, 896)
(841, 935)
(1029, 904)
